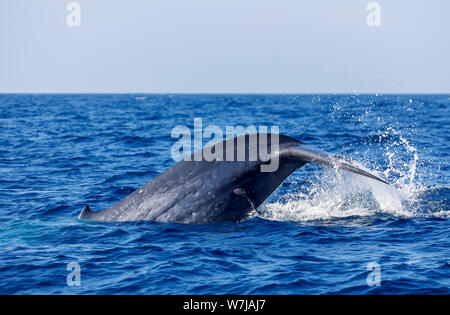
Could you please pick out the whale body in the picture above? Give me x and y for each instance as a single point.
(201, 192)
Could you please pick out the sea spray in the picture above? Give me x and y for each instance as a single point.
(334, 194)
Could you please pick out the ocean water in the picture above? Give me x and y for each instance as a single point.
(321, 232)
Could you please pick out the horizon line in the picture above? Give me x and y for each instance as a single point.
(225, 93)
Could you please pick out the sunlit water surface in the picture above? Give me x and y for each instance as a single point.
(316, 234)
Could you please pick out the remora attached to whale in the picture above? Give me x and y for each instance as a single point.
(200, 192)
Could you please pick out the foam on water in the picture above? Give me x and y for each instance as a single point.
(335, 194)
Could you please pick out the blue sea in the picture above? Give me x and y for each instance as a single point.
(321, 232)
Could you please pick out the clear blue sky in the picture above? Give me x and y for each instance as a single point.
(225, 46)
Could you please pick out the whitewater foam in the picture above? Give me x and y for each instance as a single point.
(334, 194)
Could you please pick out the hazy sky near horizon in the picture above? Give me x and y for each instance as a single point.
(225, 46)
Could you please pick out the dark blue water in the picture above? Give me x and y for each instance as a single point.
(316, 234)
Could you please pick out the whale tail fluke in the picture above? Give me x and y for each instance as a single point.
(309, 154)
(85, 213)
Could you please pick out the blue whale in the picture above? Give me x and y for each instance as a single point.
(201, 192)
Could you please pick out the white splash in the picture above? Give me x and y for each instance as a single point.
(335, 194)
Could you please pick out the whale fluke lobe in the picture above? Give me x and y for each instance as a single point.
(309, 154)
(206, 191)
